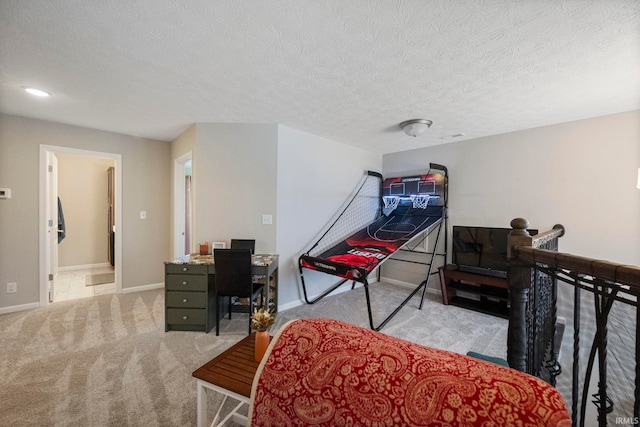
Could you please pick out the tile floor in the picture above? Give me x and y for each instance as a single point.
(71, 284)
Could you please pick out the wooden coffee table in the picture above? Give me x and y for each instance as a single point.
(231, 373)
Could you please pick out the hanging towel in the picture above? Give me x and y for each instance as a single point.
(62, 229)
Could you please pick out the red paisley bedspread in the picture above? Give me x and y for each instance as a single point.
(324, 372)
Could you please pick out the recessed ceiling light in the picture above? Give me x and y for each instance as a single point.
(36, 92)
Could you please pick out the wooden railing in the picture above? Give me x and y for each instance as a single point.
(536, 267)
(532, 302)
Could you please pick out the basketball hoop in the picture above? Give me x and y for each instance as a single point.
(391, 202)
(420, 201)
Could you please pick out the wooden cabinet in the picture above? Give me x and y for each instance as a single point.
(479, 292)
(189, 298)
(189, 283)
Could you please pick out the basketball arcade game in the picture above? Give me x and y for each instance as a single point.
(381, 219)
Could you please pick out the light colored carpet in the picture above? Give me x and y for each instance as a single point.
(102, 361)
(99, 279)
(106, 360)
(436, 325)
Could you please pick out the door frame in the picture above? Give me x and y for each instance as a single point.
(51, 214)
(179, 202)
(42, 214)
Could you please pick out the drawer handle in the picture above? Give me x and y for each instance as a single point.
(185, 317)
(184, 282)
(185, 300)
(184, 269)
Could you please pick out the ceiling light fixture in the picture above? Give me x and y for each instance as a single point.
(415, 127)
(36, 92)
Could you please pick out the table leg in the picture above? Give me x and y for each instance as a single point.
(202, 410)
(444, 286)
(202, 405)
(215, 419)
(237, 418)
(274, 277)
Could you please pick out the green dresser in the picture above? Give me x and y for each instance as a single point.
(189, 291)
(189, 298)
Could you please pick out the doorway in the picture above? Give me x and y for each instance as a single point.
(183, 212)
(55, 283)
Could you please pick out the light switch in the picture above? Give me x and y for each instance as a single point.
(267, 219)
(143, 214)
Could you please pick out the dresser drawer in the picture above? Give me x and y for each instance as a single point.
(186, 316)
(186, 299)
(186, 282)
(185, 269)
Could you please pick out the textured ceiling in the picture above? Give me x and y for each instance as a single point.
(343, 69)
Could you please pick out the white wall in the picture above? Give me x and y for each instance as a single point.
(315, 178)
(82, 188)
(580, 174)
(145, 180)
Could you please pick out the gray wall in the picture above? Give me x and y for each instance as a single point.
(242, 171)
(183, 144)
(580, 174)
(234, 183)
(146, 186)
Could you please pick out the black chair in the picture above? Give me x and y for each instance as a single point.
(233, 278)
(244, 244)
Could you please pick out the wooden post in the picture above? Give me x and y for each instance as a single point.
(519, 282)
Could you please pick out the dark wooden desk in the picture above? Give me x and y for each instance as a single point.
(231, 373)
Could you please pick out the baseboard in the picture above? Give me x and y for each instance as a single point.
(344, 288)
(142, 288)
(290, 305)
(430, 289)
(30, 306)
(83, 267)
(22, 307)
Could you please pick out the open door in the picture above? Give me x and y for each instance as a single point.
(48, 216)
(53, 216)
(111, 214)
(182, 205)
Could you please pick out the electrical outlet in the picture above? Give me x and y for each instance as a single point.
(12, 288)
(267, 219)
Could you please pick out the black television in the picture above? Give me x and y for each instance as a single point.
(481, 250)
